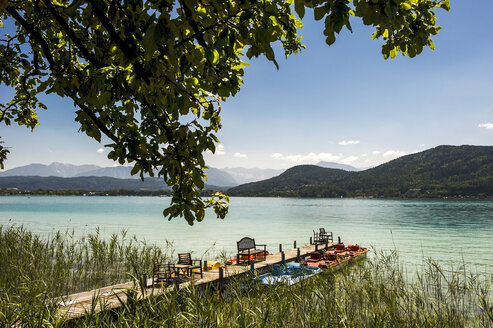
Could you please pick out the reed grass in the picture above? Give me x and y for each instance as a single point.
(376, 293)
(35, 269)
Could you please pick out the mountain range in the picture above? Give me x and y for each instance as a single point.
(215, 177)
(444, 171)
(224, 178)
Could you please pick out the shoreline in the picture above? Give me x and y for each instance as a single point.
(206, 193)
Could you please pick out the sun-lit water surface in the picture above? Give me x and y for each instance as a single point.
(450, 231)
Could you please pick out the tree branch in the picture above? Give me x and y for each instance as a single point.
(102, 127)
(193, 24)
(78, 42)
(35, 35)
(123, 45)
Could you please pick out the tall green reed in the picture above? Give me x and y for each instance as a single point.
(34, 268)
(376, 293)
(373, 294)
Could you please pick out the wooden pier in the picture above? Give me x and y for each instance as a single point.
(78, 305)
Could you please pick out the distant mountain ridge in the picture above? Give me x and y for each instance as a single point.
(438, 172)
(119, 172)
(245, 175)
(227, 177)
(215, 177)
(55, 169)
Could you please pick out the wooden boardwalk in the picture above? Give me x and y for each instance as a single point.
(78, 305)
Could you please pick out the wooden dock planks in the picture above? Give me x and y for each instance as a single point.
(79, 304)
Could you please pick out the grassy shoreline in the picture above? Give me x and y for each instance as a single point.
(375, 293)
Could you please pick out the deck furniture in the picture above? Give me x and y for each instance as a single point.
(326, 236)
(317, 239)
(248, 251)
(163, 273)
(186, 266)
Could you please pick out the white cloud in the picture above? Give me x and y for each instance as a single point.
(308, 158)
(277, 156)
(393, 154)
(239, 155)
(488, 126)
(376, 152)
(422, 146)
(348, 142)
(350, 159)
(100, 151)
(219, 150)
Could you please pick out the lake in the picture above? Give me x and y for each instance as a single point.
(451, 231)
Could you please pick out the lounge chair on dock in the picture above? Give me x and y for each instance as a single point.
(163, 273)
(186, 266)
(326, 236)
(248, 251)
(317, 240)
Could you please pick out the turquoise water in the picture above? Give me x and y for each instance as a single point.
(450, 231)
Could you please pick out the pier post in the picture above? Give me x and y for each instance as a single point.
(280, 248)
(298, 255)
(177, 283)
(316, 247)
(311, 240)
(252, 268)
(144, 280)
(338, 239)
(221, 280)
(283, 257)
(326, 243)
(205, 266)
(294, 244)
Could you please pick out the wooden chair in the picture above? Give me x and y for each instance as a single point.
(163, 273)
(247, 248)
(316, 238)
(186, 266)
(326, 236)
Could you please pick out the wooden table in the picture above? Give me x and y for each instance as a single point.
(185, 269)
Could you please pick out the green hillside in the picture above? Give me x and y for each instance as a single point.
(80, 183)
(444, 171)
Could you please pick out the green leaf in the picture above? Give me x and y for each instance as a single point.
(200, 213)
(215, 58)
(319, 12)
(406, 6)
(445, 4)
(151, 38)
(299, 6)
(389, 11)
(245, 15)
(269, 53)
(135, 169)
(331, 38)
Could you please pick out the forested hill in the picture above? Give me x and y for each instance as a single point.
(444, 171)
(92, 183)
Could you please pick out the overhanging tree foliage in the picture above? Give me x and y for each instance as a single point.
(151, 75)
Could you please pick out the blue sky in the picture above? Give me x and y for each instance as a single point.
(343, 103)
